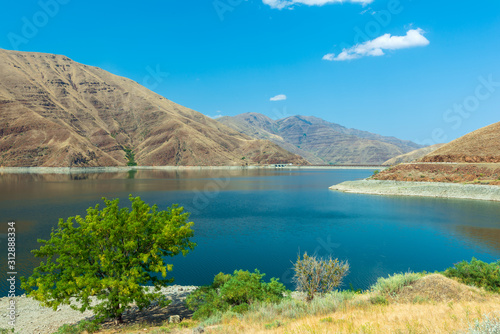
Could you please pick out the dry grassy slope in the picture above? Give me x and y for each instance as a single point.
(56, 112)
(319, 141)
(482, 145)
(433, 304)
(412, 156)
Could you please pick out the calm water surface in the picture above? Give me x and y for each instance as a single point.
(249, 219)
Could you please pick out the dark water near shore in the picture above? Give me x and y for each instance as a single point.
(247, 219)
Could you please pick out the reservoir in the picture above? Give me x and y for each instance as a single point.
(263, 218)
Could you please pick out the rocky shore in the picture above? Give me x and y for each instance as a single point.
(80, 170)
(422, 189)
(32, 318)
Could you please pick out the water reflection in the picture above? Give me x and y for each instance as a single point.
(261, 219)
(487, 236)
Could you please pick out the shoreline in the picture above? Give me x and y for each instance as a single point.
(420, 189)
(71, 170)
(32, 317)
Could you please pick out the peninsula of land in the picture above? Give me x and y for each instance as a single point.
(468, 167)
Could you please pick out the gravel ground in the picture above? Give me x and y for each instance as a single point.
(32, 318)
(424, 189)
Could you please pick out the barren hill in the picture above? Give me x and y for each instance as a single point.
(57, 112)
(482, 145)
(473, 158)
(412, 156)
(319, 141)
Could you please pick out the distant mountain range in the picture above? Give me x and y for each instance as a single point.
(319, 141)
(59, 113)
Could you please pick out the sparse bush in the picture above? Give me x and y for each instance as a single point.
(274, 324)
(379, 300)
(315, 275)
(489, 325)
(289, 308)
(393, 284)
(234, 293)
(81, 327)
(420, 300)
(376, 172)
(478, 273)
(6, 331)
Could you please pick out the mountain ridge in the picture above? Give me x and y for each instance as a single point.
(56, 112)
(320, 141)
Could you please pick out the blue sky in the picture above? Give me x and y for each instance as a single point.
(421, 70)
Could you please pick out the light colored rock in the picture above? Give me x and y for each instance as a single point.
(31, 317)
(174, 319)
(421, 189)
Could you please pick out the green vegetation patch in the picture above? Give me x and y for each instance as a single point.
(111, 255)
(129, 154)
(477, 273)
(393, 284)
(234, 293)
(81, 327)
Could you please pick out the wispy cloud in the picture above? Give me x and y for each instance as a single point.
(279, 97)
(218, 115)
(280, 4)
(329, 56)
(376, 47)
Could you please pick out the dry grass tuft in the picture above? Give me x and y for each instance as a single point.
(438, 288)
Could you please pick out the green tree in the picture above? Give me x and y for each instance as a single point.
(112, 254)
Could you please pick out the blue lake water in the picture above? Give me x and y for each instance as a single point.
(247, 219)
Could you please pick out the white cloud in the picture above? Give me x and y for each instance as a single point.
(218, 115)
(280, 97)
(376, 47)
(329, 56)
(280, 4)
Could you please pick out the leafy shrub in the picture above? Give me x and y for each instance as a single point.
(6, 331)
(81, 327)
(111, 254)
(274, 324)
(234, 293)
(489, 325)
(393, 284)
(353, 290)
(315, 275)
(375, 172)
(478, 273)
(379, 300)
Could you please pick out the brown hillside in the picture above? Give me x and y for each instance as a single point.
(412, 156)
(56, 112)
(482, 145)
